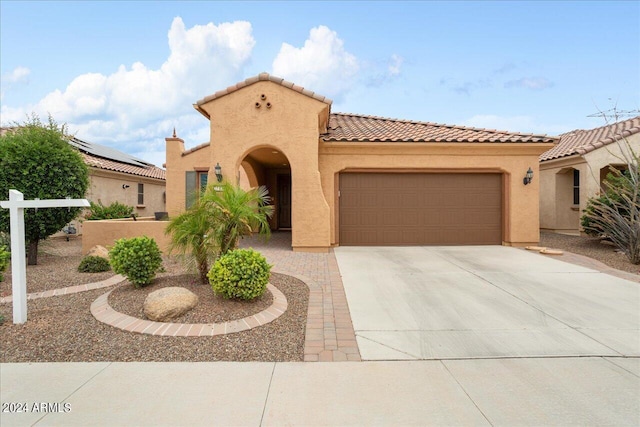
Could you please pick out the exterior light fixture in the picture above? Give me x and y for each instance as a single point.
(125, 186)
(528, 177)
(218, 171)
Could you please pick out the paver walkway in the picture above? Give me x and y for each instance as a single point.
(329, 335)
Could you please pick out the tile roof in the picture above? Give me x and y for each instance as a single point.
(256, 79)
(352, 127)
(101, 157)
(149, 171)
(583, 141)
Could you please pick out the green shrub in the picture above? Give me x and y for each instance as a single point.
(241, 273)
(137, 258)
(114, 211)
(5, 240)
(5, 257)
(94, 264)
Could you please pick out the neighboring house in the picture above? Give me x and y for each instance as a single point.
(346, 179)
(574, 170)
(117, 176)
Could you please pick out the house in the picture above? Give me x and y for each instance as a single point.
(347, 179)
(575, 169)
(115, 176)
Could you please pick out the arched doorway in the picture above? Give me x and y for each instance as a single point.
(270, 167)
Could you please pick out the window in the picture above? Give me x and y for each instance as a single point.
(202, 180)
(140, 194)
(576, 187)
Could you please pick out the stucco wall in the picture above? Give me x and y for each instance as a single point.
(290, 126)
(513, 160)
(177, 164)
(106, 187)
(106, 232)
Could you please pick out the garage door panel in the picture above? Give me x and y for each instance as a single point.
(420, 209)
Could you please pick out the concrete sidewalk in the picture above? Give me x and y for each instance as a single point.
(531, 391)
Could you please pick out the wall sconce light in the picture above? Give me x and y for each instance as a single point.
(125, 186)
(218, 171)
(528, 177)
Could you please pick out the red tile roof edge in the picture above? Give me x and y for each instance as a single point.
(263, 77)
(570, 142)
(196, 148)
(152, 171)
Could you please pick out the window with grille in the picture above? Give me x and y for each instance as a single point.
(576, 187)
(141, 194)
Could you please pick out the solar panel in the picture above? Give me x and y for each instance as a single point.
(107, 153)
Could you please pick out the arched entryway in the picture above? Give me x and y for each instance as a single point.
(270, 167)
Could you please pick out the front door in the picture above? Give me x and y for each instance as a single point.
(284, 201)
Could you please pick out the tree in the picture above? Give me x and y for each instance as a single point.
(36, 159)
(219, 218)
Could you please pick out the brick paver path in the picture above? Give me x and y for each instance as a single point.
(329, 335)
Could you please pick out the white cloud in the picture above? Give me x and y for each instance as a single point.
(132, 105)
(533, 83)
(522, 124)
(17, 75)
(322, 64)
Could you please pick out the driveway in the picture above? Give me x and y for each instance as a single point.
(411, 303)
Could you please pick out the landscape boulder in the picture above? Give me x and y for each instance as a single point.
(100, 251)
(166, 304)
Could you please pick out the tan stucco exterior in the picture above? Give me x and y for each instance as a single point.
(106, 232)
(293, 126)
(557, 211)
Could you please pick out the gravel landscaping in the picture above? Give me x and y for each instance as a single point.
(62, 329)
(591, 247)
(57, 267)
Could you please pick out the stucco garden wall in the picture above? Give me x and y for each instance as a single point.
(106, 232)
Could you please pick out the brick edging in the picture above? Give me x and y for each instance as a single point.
(103, 312)
(114, 280)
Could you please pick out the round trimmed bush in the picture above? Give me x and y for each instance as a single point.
(94, 264)
(241, 274)
(137, 258)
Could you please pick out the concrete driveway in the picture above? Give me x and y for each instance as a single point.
(411, 303)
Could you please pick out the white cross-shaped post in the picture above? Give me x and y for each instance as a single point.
(16, 206)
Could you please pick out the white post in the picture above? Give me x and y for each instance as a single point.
(16, 206)
(18, 268)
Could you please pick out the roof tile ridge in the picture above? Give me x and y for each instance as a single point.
(197, 147)
(444, 125)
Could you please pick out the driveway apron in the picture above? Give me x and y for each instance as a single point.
(455, 302)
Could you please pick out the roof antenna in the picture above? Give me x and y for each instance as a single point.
(174, 132)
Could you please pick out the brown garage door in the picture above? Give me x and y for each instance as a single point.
(420, 209)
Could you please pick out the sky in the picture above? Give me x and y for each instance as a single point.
(124, 74)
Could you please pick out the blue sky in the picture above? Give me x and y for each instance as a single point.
(123, 74)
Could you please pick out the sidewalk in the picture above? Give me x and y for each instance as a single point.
(551, 391)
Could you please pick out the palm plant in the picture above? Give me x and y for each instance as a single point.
(237, 213)
(213, 225)
(191, 236)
